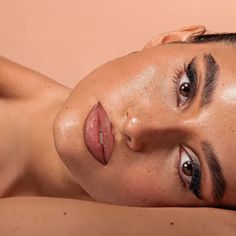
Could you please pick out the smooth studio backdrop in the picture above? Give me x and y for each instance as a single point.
(66, 39)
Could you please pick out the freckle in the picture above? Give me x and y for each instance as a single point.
(16, 228)
(171, 223)
(64, 213)
(66, 107)
(144, 200)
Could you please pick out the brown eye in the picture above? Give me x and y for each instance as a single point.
(187, 168)
(188, 165)
(190, 170)
(185, 89)
(186, 84)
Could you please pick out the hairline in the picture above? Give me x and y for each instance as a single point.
(225, 42)
(228, 39)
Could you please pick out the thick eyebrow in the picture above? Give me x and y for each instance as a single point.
(216, 172)
(211, 78)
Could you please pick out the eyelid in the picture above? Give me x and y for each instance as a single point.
(193, 78)
(190, 70)
(194, 187)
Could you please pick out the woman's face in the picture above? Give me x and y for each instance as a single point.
(172, 109)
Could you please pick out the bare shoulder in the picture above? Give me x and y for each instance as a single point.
(18, 80)
(9, 68)
(57, 216)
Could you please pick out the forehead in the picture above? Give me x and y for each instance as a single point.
(167, 55)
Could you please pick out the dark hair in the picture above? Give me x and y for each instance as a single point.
(227, 38)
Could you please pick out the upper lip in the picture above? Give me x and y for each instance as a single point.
(98, 135)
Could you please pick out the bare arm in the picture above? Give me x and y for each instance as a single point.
(55, 216)
(19, 81)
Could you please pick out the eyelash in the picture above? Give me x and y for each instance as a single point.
(177, 174)
(196, 176)
(178, 72)
(189, 70)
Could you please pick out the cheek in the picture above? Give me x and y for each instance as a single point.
(127, 85)
(145, 185)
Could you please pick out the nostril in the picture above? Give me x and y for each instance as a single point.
(126, 115)
(128, 141)
(132, 131)
(134, 144)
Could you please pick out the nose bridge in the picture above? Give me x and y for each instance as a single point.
(150, 125)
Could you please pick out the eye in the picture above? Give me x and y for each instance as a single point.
(190, 170)
(185, 80)
(185, 90)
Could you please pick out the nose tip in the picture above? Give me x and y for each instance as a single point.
(133, 131)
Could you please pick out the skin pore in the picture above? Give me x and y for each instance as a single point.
(156, 128)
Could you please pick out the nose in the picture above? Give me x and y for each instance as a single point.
(133, 129)
(144, 129)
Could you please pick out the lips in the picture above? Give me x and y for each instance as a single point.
(98, 134)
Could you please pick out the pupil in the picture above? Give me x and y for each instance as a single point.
(187, 168)
(185, 89)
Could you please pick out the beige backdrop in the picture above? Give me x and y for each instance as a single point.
(65, 39)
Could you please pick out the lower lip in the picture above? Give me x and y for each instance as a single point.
(97, 123)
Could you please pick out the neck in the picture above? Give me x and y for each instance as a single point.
(30, 108)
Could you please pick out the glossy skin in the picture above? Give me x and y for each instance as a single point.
(137, 92)
(36, 113)
(44, 122)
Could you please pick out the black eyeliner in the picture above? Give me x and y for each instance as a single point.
(195, 185)
(191, 72)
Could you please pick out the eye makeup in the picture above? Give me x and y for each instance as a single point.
(186, 77)
(190, 72)
(189, 172)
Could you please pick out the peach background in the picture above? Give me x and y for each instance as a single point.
(65, 39)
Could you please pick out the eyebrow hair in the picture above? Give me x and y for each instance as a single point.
(216, 172)
(211, 78)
